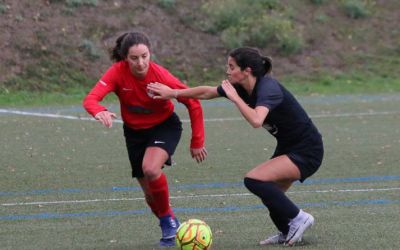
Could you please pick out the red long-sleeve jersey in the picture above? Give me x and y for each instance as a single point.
(138, 109)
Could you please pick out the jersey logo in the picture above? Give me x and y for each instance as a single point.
(159, 142)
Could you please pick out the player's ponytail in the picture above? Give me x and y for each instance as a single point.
(125, 42)
(116, 51)
(267, 64)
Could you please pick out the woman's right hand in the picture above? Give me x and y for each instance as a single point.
(199, 154)
(105, 117)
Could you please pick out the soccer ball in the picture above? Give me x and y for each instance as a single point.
(194, 234)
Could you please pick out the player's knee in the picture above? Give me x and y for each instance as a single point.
(151, 171)
(263, 189)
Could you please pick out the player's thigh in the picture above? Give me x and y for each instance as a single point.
(279, 169)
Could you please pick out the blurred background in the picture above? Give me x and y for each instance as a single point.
(55, 50)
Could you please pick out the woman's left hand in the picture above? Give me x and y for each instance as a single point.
(230, 91)
(161, 91)
(200, 154)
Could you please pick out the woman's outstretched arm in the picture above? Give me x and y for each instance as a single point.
(162, 91)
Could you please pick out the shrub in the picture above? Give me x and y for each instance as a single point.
(3, 8)
(89, 49)
(252, 23)
(270, 4)
(78, 3)
(321, 18)
(166, 4)
(290, 43)
(224, 14)
(56, 1)
(262, 32)
(317, 1)
(355, 9)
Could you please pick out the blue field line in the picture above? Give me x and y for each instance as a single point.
(69, 215)
(191, 210)
(196, 186)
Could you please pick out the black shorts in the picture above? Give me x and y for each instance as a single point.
(165, 135)
(306, 155)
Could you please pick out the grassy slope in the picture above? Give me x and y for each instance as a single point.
(341, 56)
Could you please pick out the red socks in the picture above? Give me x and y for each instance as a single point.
(152, 204)
(160, 203)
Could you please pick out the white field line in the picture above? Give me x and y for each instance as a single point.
(70, 117)
(356, 114)
(207, 196)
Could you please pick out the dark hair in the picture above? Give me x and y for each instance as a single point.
(249, 57)
(125, 41)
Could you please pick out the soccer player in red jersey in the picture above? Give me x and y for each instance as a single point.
(152, 129)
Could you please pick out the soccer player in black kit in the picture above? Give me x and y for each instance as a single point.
(264, 102)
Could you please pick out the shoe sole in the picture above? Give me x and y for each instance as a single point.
(267, 242)
(299, 233)
(261, 243)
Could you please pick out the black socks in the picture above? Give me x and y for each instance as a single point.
(281, 208)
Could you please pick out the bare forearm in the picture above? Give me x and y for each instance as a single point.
(200, 92)
(253, 116)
